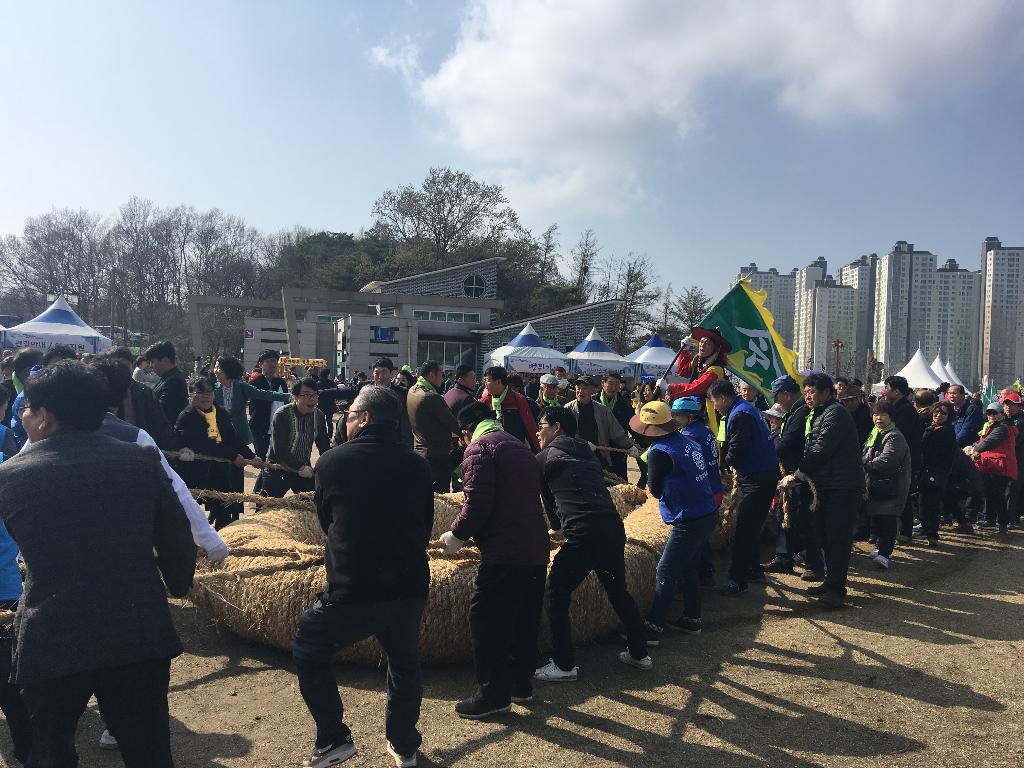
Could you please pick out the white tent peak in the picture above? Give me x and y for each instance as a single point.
(940, 370)
(918, 373)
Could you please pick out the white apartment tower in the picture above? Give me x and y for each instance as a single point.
(780, 289)
(1001, 355)
(803, 313)
(860, 275)
(833, 320)
(957, 300)
(905, 307)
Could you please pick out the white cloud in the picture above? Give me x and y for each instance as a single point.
(405, 60)
(562, 97)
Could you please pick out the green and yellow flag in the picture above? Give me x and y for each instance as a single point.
(759, 355)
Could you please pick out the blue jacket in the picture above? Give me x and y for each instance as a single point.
(10, 574)
(967, 424)
(701, 434)
(748, 442)
(687, 494)
(20, 436)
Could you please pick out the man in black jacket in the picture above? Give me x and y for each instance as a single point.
(377, 575)
(832, 461)
(141, 408)
(789, 446)
(172, 391)
(577, 503)
(262, 411)
(94, 618)
(897, 391)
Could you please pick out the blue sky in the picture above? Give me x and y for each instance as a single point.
(707, 135)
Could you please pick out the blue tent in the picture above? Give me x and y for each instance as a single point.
(57, 325)
(593, 355)
(526, 353)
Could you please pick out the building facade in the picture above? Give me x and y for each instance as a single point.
(831, 322)
(1001, 357)
(860, 275)
(957, 303)
(905, 309)
(803, 309)
(781, 290)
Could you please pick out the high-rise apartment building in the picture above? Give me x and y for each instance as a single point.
(1002, 313)
(955, 333)
(832, 320)
(860, 275)
(803, 310)
(904, 304)
(780, 289)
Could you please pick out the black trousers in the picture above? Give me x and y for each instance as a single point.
(835, 519)
(326, 628)
(802, 534)
(910, 508)
(598, 546)
(504, 616)
(261, 447)
(11, 702)
(885, 527)
(1014, 499)
(751, 513)
(618, 462)
(930, 496)
(133, 699)
(277, 483)
(440, 472)
(996, 511)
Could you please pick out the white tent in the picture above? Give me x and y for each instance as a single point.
(526, 353)
(57, 325)
(951, 375)
(918, 374)
(653, 357)
(593, 355)
(940, 371)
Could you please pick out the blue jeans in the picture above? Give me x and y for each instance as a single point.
(680, 564)
(326, 628)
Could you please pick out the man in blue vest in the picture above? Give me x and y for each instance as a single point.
(747, 449)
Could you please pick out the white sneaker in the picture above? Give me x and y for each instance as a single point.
(401, 761)
(873, 554)
(107, 741)
(645, 663)
(552, 673)
(332, 755)
(881, 561)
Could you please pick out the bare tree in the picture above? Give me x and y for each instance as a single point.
(583, 258)
(637, 289)
(690, 306)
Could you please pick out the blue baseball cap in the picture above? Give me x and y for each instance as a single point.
(687, 404)
(784, 384)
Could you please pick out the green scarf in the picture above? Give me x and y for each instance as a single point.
(808, 422)
(985, 428)
(485, 427)
(17, 384)
(421, 382)
(554, 403)
(875, 434)
(609, 404)
(497, 400)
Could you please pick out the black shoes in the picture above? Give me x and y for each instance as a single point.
(476, 708)
(685, 624)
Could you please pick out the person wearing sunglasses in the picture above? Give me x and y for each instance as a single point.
(296, 428)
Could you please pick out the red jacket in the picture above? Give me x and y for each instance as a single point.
(516, 417)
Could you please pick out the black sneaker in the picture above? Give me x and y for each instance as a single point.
(778, 565)
(476, 708)
(830, 599)
(685, 624)
(652, 634)
(816, 590)
(333, 754)
(732, 588)
(758, 576)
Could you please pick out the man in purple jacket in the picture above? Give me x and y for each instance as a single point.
(503, 516)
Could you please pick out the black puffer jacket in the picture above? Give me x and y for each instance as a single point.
(789, 444)
(938, 447)
(909, 423)
(572, 484)
(832, 456)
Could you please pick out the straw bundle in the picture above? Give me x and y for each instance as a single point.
(276, 570)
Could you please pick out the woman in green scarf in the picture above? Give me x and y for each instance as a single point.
(887, 465)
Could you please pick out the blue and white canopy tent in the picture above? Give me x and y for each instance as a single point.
(526, 353)
(652, 358)
(593, 355)
(57, 325)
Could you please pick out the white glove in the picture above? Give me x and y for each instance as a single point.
(592, 446)
(217, 555)
(452, 543)
(186, 454)
(306, 471)
(634, 452)
(661, 384)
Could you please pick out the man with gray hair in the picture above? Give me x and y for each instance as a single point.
(377, 575)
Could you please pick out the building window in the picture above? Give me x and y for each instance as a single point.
(474, 286)
(442, 316)
(471, 317)
(383, 335)
(421, 314)
(450, 354)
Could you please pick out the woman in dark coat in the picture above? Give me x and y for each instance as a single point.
(206, 428)
(938, 449)
(886, 460)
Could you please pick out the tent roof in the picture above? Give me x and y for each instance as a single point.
(918, 374)
(940, 371)
(58, 319)
(654, 356)
(654, 342)
(595, 348)
(527, 337)
(953, 378)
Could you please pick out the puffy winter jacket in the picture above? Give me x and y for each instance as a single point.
(832, 457)
(572, 484)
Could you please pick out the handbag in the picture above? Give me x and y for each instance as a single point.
(884, 487)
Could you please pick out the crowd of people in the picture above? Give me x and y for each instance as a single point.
(96, 514)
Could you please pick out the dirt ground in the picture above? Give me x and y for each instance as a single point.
(922, 668)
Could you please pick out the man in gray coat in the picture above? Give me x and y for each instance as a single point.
(597, 424)
(98, 524)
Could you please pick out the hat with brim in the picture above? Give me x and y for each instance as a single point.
(549, 380)
(712, 333)
(776, 411)
(993, 408)
(586, 381)
(654, 420)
